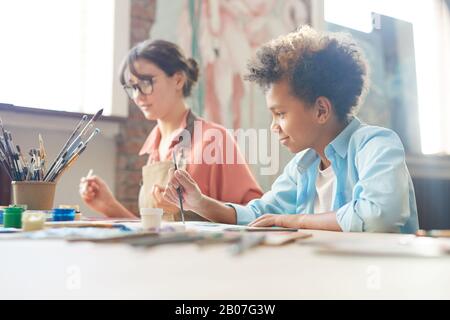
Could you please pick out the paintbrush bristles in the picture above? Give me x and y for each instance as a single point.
(90, 124)
(97, 115)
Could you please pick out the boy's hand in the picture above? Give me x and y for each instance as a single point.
(278, 220)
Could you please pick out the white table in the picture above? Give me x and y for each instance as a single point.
(62, 270)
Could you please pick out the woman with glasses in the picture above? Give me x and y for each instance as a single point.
(158, 78)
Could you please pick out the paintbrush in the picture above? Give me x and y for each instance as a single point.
(68, 164)
(75, 155)
(5, 164)
(72, 148)
(3, 150)
(23, 162)
(179, 191)
(6, 148)
(93, 134)
(42, 152)
(12, 155)
(1, 126)
(68, 142)
(63, 160)
(91, 122)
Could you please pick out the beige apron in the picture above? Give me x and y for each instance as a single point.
(158, 173)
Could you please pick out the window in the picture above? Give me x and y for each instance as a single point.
(431, 30)
(63, 55)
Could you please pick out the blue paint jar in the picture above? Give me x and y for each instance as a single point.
(63, 214)
(1, 216)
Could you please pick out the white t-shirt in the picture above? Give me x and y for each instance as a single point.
(325, 189)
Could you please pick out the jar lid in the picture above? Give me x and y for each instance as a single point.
(14, 210)
(58, 211)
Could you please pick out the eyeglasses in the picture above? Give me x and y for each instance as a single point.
(144, 86)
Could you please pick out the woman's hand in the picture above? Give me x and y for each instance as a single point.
(96, 194)
(278, 220)
(192, 196)
(160, 202)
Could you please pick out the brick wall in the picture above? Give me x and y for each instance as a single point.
(134, 131)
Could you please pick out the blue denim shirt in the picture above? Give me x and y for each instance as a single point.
(373, 191)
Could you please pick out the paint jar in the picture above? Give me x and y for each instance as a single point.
(37, 195)
(78, 215)
(33, 220)
(12, 218)
(60, 214)
(151, 218)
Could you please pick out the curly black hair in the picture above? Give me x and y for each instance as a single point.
(316, 65)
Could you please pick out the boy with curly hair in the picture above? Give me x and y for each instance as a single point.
(346, 175)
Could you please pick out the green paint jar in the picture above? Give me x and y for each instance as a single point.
(12, 218)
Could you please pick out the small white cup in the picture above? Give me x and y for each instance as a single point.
(151, 218)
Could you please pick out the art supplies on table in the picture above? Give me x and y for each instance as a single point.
(120, 237)
(110, 220)
(151, 218)
(85, 224)
(282, 238)
(67, 234)
(12, 217)
(38, 195)
(78, 215)
(251, 240)
(73, 230)
(213, 227)
(19, 169)
(1, 215)
(73, 147)
(9, 230)
(163, 238)
(248, 241)
(131, 233)
(217, 238)
(63, 214)
(260, 229)
(33, 221)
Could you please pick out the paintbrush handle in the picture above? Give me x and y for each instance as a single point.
(69, 164)
(68, 142)
(91, 122)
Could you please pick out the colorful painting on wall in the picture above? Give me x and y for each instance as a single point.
(222, 35)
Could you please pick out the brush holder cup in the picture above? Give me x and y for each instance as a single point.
(36, 195)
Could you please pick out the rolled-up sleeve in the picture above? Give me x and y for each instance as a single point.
(281, 199)
(380, 199)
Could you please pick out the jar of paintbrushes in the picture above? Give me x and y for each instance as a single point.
(32, 183)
